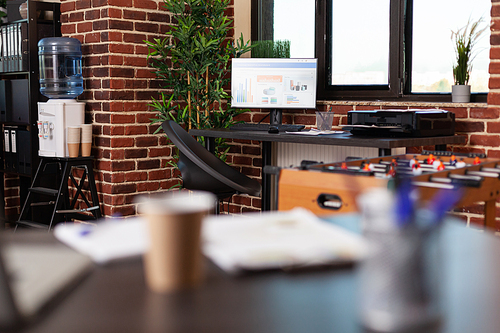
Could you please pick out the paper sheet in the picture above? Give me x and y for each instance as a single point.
(296, 238)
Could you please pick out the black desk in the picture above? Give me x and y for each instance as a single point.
(384, 145)
(115, 299)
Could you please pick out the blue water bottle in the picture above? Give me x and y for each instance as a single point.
(60, 60)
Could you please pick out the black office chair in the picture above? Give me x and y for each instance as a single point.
(201, 170)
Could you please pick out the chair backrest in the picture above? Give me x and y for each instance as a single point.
(208, 166)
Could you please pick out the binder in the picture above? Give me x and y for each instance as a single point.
(13, 150)
(1, 49)
(11, 47)
(15, 47)
(6, 149)
(23, 47)
(3, 31)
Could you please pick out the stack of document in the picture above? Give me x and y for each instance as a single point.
(286, 240)
(315, 131)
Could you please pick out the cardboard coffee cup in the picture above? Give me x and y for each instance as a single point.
(174, 258)
(73, 140)
(86, 139)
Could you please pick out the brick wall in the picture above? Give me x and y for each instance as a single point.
(130, 159)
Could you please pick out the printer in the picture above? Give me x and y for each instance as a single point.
(406, 123)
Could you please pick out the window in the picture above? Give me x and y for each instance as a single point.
(378, 49)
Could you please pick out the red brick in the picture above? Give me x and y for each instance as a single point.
(148, 187)
(159, 17)
(144, 73)
(93, 38)
(67, 6)
(148, 164)
(114, 13)
(158, 174)
(469, 126)
(100, 25)
(122, 142)
(134, 38)
(136, 153)
(484, 113)
(121, 72)
(136, 176)
(121, 25)
(122, 119)
(146, 4)
(460, 112)
(117, 154)
(121, 48)
(136, 130)
(134, 15)
(141, 49)
(146, 141)
(75, 17)
(68, 29)
(493, 127)
(147, 27)
(99, 3)
(83, 4)
(120, 3)
(485, 140)
(91, 15)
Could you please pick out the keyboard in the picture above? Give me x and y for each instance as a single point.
(265, 127)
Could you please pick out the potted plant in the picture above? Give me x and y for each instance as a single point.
(192, 62)
(464, 39)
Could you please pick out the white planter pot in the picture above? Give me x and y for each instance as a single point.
(460, 93)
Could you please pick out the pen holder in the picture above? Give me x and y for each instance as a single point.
(400, 280)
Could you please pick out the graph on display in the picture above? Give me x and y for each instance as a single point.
(273, 83)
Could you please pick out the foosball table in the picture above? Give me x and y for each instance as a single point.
(331, 188)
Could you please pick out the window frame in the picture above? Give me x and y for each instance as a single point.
(400, 59)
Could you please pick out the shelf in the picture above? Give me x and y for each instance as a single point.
(24, 73)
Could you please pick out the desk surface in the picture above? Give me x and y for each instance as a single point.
(345, 139)
(115, 299)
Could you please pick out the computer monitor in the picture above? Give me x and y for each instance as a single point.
(274, 83)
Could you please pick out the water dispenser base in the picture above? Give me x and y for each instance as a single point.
(54, 117)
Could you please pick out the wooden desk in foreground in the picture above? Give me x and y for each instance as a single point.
(114, 297)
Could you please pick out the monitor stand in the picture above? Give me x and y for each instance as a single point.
(275, 117)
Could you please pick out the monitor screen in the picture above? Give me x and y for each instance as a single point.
(277, 83)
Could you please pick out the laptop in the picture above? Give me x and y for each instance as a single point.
(34, 275)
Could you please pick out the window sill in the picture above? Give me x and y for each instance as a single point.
(405, 104)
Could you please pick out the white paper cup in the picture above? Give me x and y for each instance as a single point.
(73, 140)
(86, 133)
(174, 258)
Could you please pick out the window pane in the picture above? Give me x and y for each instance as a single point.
(294, 20)
(433, 49)
(360, 45)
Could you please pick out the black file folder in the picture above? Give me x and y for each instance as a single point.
(23, 151)
(4, 97)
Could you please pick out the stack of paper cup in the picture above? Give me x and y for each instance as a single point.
(73, 141)
(86, 139)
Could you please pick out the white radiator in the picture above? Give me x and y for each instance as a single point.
(291, 154)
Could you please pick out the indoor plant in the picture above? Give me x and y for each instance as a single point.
(464, 39)
(192, 62)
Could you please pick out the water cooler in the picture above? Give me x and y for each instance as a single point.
(61, 81)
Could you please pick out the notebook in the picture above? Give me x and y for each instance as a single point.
(32, 276)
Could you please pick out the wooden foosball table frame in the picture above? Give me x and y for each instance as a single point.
(332, 188)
